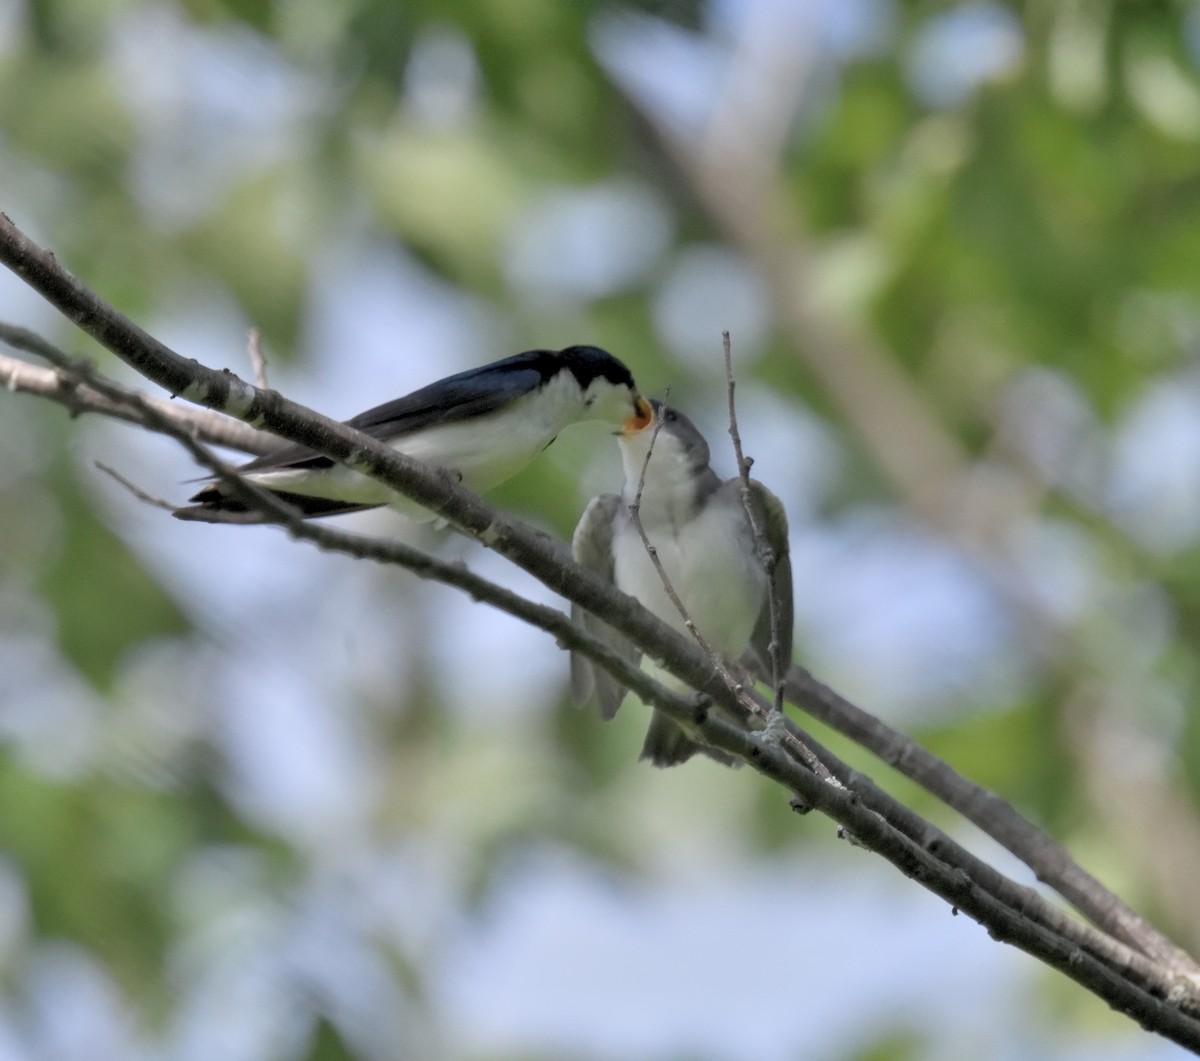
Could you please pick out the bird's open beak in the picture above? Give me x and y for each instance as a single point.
(641, 419)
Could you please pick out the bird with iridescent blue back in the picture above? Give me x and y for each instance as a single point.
(483, 425)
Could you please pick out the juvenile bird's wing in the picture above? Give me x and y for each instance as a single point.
(772, 518)
(476, 392)
(591, 546)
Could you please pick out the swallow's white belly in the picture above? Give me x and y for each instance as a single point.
(484, 451)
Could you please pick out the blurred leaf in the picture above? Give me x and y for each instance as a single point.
(122, 843)
(1015, 752)
(258, 241)
(66, 115)
(328, 1045)
(255, 13)
(895, 1046)
(104, 599)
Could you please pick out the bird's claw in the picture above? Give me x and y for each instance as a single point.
(773, 731)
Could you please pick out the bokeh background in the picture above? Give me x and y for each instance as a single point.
(262, 803)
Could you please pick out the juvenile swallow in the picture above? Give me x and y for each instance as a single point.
(484, 425)
(706, 545)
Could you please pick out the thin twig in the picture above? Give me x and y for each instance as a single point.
(258, 360)
(137, 491)
(635, 516)
(777, 649)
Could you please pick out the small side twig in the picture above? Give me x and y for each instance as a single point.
(133, 488)
(778, 650)
(78, 372)
(635, 516)
(258, 360)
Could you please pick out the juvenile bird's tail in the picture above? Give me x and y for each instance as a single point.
(667, 745)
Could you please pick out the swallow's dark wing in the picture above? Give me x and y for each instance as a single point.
(772, 518)
(476, 392)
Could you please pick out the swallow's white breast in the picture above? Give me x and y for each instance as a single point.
(710, 561)
(484, 451)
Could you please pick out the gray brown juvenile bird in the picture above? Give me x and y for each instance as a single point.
(706, 545)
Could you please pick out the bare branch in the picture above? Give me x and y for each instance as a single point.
(1050, 861)
(21, 377)
(915, 828)
(1127, 980)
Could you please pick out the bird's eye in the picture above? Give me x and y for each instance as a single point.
(588, 402)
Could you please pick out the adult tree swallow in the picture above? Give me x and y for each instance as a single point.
(705, 542)
(484, 424)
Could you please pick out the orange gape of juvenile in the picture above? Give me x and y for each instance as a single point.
(641, 420)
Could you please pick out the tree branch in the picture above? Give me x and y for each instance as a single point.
(21, 377)
(871, 818)
(1050, 861)
(1128, 981)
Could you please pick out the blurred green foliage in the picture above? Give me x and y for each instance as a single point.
(1048, 218)
(93, 571)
